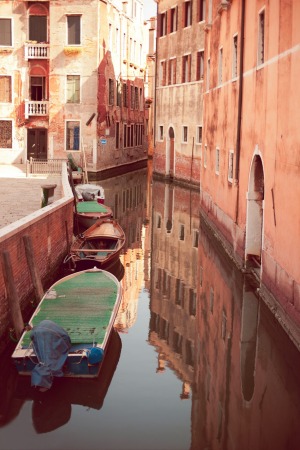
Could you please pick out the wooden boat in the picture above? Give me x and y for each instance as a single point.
(87, 213)
(71, 328)
(90, 192)
(100, 245)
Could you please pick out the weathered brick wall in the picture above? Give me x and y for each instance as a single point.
(47, 229)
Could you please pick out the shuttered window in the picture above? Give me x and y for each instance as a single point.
(73, 89)
(5, 32)
(5, 89)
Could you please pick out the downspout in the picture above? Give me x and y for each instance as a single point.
(155, 79)
(240, 104)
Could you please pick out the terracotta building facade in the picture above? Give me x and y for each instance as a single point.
(250, 165)
(72, 82)
(179, 83)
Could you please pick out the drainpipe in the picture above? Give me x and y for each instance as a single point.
(155, 79)
(240, 103)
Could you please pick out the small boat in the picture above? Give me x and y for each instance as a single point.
(87, 213)
(90, 192)
(100, 245)
(70, 329)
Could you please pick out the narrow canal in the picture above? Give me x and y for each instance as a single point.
(198, 361)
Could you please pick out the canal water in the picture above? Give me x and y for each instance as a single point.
(197, 362)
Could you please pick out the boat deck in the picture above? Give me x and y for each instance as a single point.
(82, 305)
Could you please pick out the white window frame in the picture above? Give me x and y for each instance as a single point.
(12, 32)
(230, 165)
(261, 39)
(235, 43)
(185, 138)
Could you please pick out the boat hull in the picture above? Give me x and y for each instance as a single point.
(68, 302)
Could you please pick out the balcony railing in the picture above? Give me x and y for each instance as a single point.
(36, 51)
(36, 108)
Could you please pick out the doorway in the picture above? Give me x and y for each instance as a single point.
(37, 143)
(255, 206)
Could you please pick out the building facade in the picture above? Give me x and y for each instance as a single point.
(250, 169)
(72, 82)
(179, 82)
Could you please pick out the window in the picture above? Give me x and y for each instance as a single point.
(173, 19)
(136, 98)
(74, 32)
(38, 28)
(217, 161)
(201, 10)
(132, 97)
(5, 89)
(234, 57)
(163, 24)
(200, 65)
(163, 69)
(72, 135)
(161, 133)
(111, 91)
(230, 166)
(261, 38)
(187, 16)
(141, 99)
(195, 238)
(184, 134)
(5, 134)
(220, 76)
(172, 71)
(125, 95)
(73, 88)
(117, 135)
(37, 88)
(119, 93)
(124, 135)
(199, 135)
(181, 232)
(5, 32)
(186, 68)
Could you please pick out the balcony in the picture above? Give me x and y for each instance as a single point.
(36, 51)
(36, 108)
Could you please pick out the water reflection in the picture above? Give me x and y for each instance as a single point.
(53, 409)
(204, 364)
(209, 326)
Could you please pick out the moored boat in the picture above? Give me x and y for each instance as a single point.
(70, 328)
(87, 213)
(90, 192)
(100, 245)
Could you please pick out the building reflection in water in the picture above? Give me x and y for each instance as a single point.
(128, 197)
(233, 358)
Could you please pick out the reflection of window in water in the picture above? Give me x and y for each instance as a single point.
(181, 232)
(179, 296)
(193, 302)
(195, 238)
(177, 342)
(189, 353)
(158, 221)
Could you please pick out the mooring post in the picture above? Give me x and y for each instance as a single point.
(36, 280)
(12, 296)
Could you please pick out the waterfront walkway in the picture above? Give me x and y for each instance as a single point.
(21, 195)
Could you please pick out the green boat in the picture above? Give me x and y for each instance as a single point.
(70, 328)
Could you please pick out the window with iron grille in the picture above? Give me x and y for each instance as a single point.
(73, 88)
(74, 31)
(72, 135)
(5, 32)
(5, 89)
(5, 134)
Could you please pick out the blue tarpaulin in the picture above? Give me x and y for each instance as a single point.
(51, 344)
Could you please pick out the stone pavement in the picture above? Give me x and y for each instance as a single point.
(21, 195)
